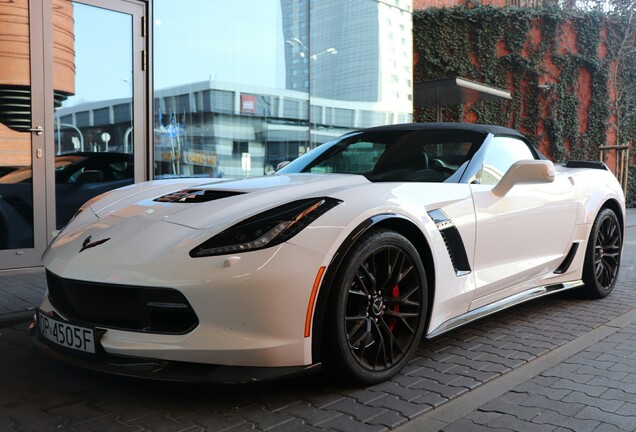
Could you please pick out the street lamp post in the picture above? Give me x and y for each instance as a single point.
(331, 51)
(303, 51)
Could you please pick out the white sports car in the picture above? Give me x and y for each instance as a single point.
(346, 257)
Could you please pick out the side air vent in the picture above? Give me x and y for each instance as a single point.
(453, 241)
(196, 196)
(567, 262)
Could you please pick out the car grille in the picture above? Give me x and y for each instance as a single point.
(141, 309)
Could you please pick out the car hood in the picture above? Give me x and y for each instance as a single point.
(220, 202)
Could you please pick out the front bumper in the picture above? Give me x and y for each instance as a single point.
(251, 308)
(166, 370)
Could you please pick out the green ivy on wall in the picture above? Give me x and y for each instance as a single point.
(493, 46)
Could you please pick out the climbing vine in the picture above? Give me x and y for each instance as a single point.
(530, 51)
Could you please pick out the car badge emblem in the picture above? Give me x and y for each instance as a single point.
(88, 244)
(378, 306)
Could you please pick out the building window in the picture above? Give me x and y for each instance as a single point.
(239, 147)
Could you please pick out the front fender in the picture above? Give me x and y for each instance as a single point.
(324, 293)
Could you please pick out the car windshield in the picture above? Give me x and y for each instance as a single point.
(403, 156)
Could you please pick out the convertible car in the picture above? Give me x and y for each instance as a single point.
(346, 258)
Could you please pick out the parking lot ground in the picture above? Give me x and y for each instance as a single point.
(558, 363)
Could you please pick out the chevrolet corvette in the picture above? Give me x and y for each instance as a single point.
(346, 258)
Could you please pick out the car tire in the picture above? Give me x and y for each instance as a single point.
(603, 255)
(378, 308)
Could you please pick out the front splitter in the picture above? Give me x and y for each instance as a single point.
(167, 370)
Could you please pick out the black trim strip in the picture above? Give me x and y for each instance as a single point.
(586, 164)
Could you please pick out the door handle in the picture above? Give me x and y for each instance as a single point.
(38, 130)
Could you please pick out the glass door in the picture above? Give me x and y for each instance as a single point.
(98, 138)
(72, 117)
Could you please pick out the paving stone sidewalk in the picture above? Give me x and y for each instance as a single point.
(594, 390)
(586, 384)
(20, 291)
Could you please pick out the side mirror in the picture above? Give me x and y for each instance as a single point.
(525, 172)
(281, 165)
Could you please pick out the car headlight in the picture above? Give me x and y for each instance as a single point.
(266, 229)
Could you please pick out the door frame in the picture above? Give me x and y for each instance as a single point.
(29, 257)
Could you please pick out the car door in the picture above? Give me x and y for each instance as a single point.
(523, 234)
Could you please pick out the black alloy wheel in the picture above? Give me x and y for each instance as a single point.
(603, 255)
(381, 304)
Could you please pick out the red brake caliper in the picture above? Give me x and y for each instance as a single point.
(395, 293)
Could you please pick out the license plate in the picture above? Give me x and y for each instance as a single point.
(66, 335)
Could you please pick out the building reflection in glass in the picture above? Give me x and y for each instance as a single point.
(242, 86)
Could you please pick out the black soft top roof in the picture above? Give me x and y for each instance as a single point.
(471, 127)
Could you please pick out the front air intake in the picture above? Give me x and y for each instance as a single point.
(124, 307)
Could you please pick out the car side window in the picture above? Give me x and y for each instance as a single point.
(357, 158)
(502, 152)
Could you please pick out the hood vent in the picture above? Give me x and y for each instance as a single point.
(196, 196)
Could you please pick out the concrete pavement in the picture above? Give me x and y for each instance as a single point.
(557, 363)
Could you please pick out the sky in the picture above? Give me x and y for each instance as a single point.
(103, 55)
(229, 41)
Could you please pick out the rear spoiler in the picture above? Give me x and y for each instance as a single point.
(586, 164)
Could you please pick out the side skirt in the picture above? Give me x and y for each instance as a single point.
(502, 304)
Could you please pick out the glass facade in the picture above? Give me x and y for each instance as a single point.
(242, 86)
